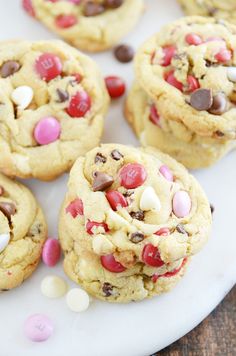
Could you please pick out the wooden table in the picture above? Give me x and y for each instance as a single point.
(215, 336)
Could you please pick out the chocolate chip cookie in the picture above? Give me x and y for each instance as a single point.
(22, 233)
(130, 220)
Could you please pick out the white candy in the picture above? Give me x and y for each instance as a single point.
(77, 300)
(53, 287)
(149, 200)
(4, 240)
(22, 96)
(102, 245)
(231, 73)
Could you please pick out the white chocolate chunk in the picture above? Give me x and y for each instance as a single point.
(22, 96)
(149, 200)
(53, 287)
(4, 240)
(231, 74)
(77, 300)
(102, 245)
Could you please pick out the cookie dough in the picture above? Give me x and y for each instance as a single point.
(130, 220)
(23, 231)
(53, 103)
(219, 9)
(171, 137)
(189, 67)
(89, 25)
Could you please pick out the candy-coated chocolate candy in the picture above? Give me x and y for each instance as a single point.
(109, 263)
(154, 117)
(79, 104)
(75, 208)
(38, 327)
(48, 66)
(66, 21)
(193, 39)
(168, 54)
(166, 172)
(51, 252)
(93, 225)
(115, 86)
(181, 204)
(116, 199)
(151, 256)
(47, 130)
(132, 175)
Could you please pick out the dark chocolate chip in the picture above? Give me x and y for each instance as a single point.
(219, 133)
(201, 99)
(93, 9)
(8, 209)
(100, 158)
(8, 68)
(101, 181)
(180, 228)
(1, 190)
(63, 95)
(113, 4)
(219, 104)
(137, 237)
(128, 193)
(116, 155)
(212, 208)
(124, 53)
(139, 215)
(107, 289)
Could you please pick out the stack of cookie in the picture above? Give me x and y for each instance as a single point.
(130, 221)
(183, 100)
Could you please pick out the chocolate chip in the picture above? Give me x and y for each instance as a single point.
(7, 209)
(116, 155)
(201, 99)
(138, 215)
(219, 133)
(113, 4)
(180, 228)
(212, 208)
(93, 9)
(101, 181)
(219, 104)
(63, 95)
(8, 68)
(124, 53)
(137, 237)
(1, 190)
(100, 158)
(107, 289)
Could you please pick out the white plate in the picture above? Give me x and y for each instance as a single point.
(138, 328)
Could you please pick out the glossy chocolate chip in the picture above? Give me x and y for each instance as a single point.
(212, 209)
(93, 9)
(1, 190)
(124, 53)
(116, 155)
(219, 104)
(8, 68)
(8, 209)
(101, 181)
(219, 133)
(113, 4)
(138, 215)
(107, 289)
(180, 228)
(137, 237)
(201, 99)
(63, 95)
(100, 158)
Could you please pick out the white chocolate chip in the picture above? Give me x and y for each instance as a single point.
(231, 73)
(53, 287)
(4, 240)
(22, 96)
(149, 200)
(77, 300)
(102, 245)
(115, 221)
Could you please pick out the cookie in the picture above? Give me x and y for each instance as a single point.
(53, 103)
(129, 222)
(171, 137)
(217, 8)
(189, 67)
(89, 25)
(23, 231)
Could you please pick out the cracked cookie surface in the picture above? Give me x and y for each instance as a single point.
(89, 25)
(23, 231)
(53, 102)
(129, 222)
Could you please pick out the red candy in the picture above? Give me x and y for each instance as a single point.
(169, 274)
(116, 199)
(115, 86)
(78, 77)
(132, 175)
(28, 7)
(193, 84)
(75, 208)
(224, 55)
(79, 104)
(51, 252)
(170, 78)
(48, 66)
(169, 52)
(65, 21)
(109, 263)
(151, 256)
(163, 232)
(154, 116)
(90, 225)
(193, 39)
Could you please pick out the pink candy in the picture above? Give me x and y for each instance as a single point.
(51, 252)
(47, 130)
(38, 327)
(166, 172)
(181, 204)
